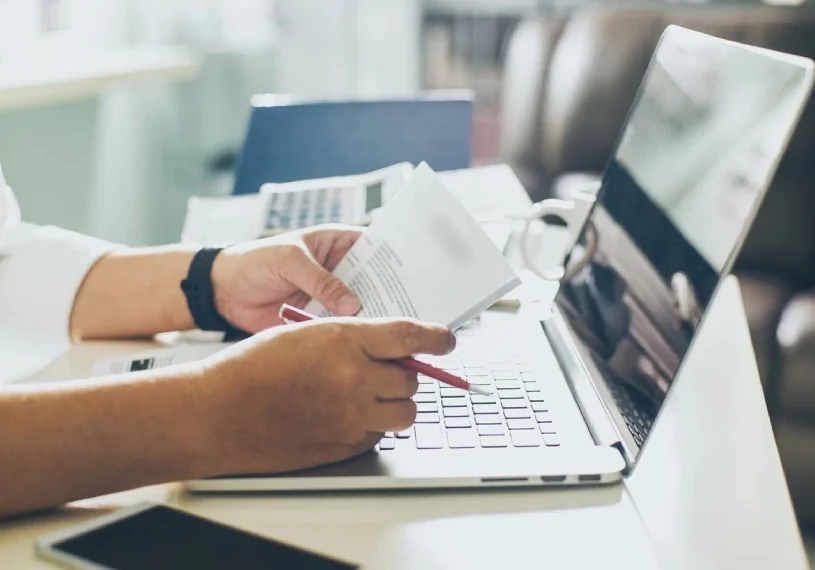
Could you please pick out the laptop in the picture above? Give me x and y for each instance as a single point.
(578, 390)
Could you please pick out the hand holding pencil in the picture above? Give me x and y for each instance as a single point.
(295, 315)
(294, 397)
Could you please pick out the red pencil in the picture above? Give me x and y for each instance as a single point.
(294, 315)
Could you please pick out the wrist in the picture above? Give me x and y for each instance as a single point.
(221, 277)
(205, 287)
(200, 413)
(222, 396)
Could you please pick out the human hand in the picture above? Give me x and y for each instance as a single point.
(252, 280)
(313, 393)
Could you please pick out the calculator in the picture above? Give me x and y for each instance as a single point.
(341, 200)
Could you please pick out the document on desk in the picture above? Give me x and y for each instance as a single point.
(425, 256)
(223, 219)
(157, 358)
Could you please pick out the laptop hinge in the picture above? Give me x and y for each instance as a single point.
(597, 417)
(629, 461)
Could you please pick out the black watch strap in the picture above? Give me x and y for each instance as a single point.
(197, 288)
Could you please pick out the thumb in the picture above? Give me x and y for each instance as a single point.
(314, 280)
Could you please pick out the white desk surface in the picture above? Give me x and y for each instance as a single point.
(708, 493)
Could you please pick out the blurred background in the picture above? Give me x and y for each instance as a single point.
(114, 112)
(132, 105)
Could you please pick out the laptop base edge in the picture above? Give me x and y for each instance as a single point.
(568, 467)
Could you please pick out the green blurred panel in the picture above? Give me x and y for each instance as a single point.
(47, 156)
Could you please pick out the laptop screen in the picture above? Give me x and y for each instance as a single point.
(693, 161)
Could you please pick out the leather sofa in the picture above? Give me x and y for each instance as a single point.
(567, 87)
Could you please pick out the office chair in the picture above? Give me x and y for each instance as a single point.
(289, 140)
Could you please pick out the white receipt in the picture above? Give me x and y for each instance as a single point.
(153, 359)
(425, 256)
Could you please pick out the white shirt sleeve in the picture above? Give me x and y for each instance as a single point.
(41, 270)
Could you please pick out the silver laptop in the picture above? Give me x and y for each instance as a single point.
(578, 391)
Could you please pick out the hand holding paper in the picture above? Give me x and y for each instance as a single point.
(425, 256)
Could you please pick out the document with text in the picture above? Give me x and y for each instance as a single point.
(153, 359)
(425, 256)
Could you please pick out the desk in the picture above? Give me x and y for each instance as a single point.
(708, 493)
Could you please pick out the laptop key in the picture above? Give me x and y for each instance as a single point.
(525, 438)
(539, 407)
(508, 384)
(535, 397)
(530, 377)
(513, 404)
(462, 438)
(426, 389)
(521, 424)
(543, 417)
(479, 399)
(428, 436)
(427, 418)
(511, 374)
(457, 422)
(425, 379)
(452, 392)
(532, 387)
(495, 429)
(489, 419)
(516, 414)
(387, 443)
(504, 368)
(485, 408)
(454, 402)
(547, 428)
(422, 407)
(403, 434)
(551, 439)
(456, 412)
(468, 372)
(494, 441)
(510, 394)
(425, 398)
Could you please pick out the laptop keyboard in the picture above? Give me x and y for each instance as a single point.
(516, 415)
(633, 409)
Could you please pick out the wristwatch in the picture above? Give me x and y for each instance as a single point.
(198, 290)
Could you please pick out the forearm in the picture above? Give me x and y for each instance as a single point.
(134, 292)
(66, 441)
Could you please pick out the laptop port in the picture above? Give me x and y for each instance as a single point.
(553, 478)
(590, 478)
(502, 480)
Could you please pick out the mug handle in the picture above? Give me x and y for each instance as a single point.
(563, 213)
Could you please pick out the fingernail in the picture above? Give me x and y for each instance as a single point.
(453, 341)
(348, 305)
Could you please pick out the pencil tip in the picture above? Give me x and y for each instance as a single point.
(479, 390)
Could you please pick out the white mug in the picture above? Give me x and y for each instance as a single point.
(573, 214)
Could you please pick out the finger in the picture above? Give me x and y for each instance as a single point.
(342, 452)
(330, 242)
(341, 247)
(333, 453)
(393, 416)
(393, 382)
(389, 339)
(306, 274)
